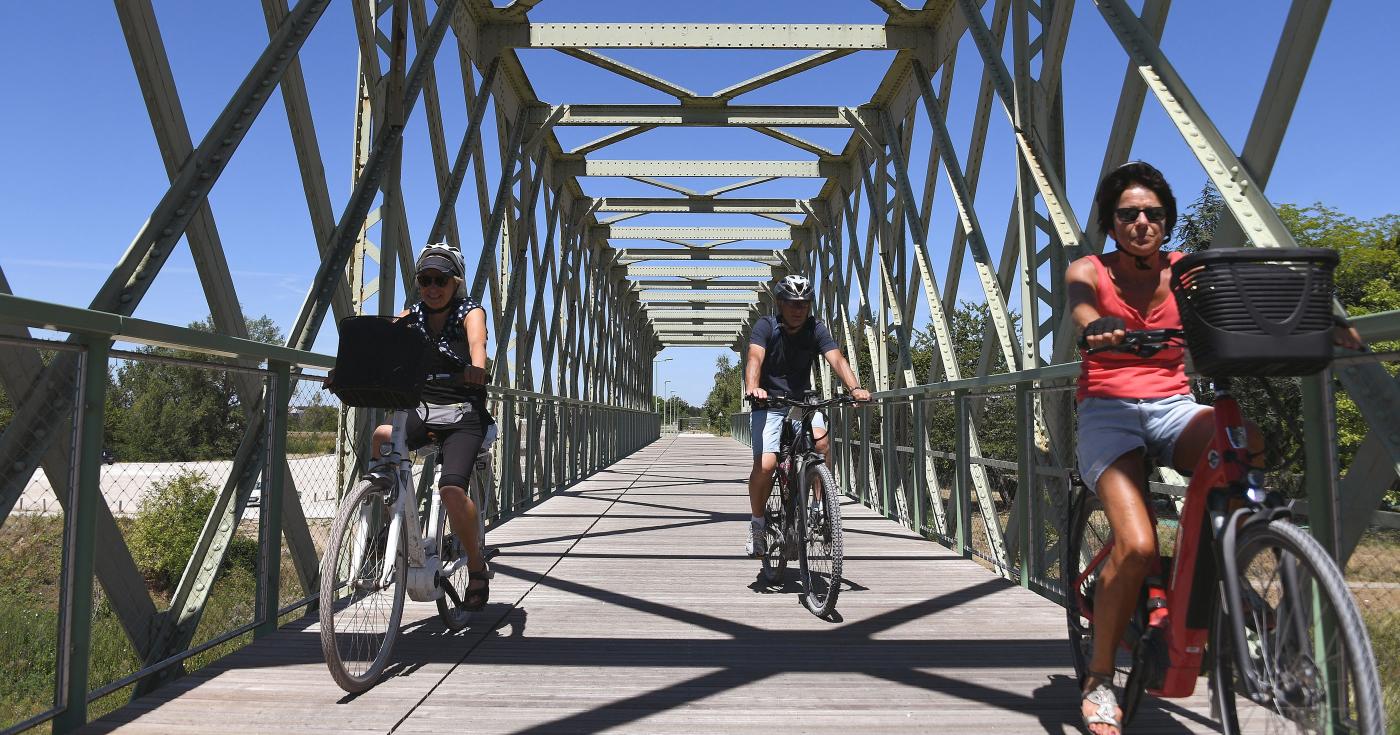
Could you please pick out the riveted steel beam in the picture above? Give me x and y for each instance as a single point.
(701, 204)
(629, 256)
(702, 35)
(728, 297)
(700, 283)
(728, 169)
(700, 271)
(787, 116)
(693, 233)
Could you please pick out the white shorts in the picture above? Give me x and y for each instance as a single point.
(1111, 427)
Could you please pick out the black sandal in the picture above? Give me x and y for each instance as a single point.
(474, 599)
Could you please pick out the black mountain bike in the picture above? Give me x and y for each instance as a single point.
(803, 514)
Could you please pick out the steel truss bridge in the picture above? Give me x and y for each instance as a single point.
(583, 298)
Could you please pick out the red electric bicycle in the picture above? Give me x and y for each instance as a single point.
(1247, 596)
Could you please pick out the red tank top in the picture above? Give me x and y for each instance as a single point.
(1121, 375)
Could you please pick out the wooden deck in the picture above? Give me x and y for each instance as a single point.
(625, 605)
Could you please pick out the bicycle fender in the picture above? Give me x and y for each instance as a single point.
(1243, 665)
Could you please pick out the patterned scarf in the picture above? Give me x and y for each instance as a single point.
(458, 310)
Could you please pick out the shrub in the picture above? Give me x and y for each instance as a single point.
(167, 527)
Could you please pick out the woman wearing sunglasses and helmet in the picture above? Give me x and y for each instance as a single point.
(453, 413)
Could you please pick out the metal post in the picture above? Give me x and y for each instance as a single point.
(80, 546)
(962, 477)
(270, 514)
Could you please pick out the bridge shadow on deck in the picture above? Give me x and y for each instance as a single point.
(623, 604)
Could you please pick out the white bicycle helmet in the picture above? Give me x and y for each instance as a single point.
(793, 288)
(440, 256)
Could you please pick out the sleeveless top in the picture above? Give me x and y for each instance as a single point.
(1123, 375)
(447, 352)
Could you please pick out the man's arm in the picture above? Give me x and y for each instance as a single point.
(753, 368)
(848, 378)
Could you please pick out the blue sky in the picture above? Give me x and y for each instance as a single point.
(85, 173)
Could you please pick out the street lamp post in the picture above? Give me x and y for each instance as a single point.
(665, 406)
(655, 374)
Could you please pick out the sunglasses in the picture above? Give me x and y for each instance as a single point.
(440, 280)
(1129, 215)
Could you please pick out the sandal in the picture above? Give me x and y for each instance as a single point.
(474, 598)
(1102, 697)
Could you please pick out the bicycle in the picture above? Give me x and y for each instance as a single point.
(386, 541)
(1248, 594)
(803, 514)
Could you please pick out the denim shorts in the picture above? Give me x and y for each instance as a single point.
(766, 428)
(1111, 427)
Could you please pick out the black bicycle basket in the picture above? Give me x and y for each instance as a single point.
(1256, 311)
(378, 364)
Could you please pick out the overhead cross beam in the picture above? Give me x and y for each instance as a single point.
(702, 35)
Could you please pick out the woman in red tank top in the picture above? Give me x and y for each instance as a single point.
(1129, 406)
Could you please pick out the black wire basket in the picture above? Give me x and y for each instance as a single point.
(1256, 311)
(378, 363)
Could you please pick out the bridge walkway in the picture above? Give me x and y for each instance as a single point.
(624, 605)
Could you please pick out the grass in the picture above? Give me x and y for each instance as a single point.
(31, 554)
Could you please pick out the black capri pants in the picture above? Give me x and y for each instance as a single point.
(458, 442)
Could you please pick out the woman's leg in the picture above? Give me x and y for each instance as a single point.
(1134, 545)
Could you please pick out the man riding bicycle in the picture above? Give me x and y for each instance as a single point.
(782, 349)
(1131, 407)
(453, 327)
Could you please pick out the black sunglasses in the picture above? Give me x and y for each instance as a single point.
(1129, 215)
(440, 280)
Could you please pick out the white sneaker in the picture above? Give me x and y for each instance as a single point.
(757, 536)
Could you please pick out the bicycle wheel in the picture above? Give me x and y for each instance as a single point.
(453, 579)
(1304, 637)
(1088, 535)
(775, 519)
(360, 613)
(821, 539)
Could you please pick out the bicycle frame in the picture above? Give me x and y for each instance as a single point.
(1218, 498)
(422, 546)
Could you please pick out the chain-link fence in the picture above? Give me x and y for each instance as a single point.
(39, 388)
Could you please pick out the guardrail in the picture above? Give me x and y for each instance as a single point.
(254, 563)
(951, 461)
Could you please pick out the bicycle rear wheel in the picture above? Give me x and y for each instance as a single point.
(775, 520)
(1304, 637)
(1088, 535)
(360, 613)
(454, 579)
(822, 542)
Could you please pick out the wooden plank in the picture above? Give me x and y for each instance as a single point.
(624, 603)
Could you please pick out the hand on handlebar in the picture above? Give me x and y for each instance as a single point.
(473, 375)
(860, 395)
(1106, 331)
(756, 394)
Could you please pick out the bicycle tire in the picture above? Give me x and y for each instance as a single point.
(359, 626)
(822, 541)
(775, 520)
(1088, 534)
(453, 585)
(1284, 645)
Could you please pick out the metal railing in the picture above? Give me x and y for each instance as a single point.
(950, 460)
(248, 557)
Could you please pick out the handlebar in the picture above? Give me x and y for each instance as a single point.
(788, 402)
(1140, 342)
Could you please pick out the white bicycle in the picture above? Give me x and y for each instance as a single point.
(382, 547)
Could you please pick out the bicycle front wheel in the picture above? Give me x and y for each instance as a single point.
(775, 523)
(822, 542)
(361, 598)
(1303, 636)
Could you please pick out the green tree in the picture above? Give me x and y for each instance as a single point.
(164, 412)
(725, 397)
(168, 524)
(1367, 281)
